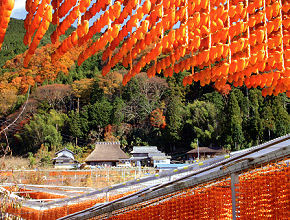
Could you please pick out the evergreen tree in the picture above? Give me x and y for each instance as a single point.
(235, 136)
(99, 114)
(243, 102)
(255, 126)
(268, 121)
(174, 118)
(202, 117)
(118, 111)
(78, 124)
(282, 118)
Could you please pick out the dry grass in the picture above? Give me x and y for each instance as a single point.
(15, 163)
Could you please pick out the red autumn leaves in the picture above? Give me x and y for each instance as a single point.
(157, 119)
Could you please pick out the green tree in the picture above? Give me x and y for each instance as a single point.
(255, 126)
(282, 118)
(175, 113)
(235, 136)
(243, 101)
(99, 114)
(217, 99)
(77, 124)
(42, 129)
(268, 120)
(118, 111)
(202, 117)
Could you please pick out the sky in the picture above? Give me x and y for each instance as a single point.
(19, 11)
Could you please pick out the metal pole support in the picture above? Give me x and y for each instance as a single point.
(107, 196)
(234, 181)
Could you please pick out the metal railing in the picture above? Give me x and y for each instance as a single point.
(240, 162)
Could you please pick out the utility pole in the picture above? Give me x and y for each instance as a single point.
(197, 150)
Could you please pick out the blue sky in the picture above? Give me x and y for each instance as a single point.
(19, 12)
(19, 9)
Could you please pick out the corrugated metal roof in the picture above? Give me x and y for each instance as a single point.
(159, 154)
(145, 149)
(205, 150)
(65, 149)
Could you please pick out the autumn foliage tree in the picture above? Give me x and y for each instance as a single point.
(40, 68)
(54, 94)
(111, 82)
(109, 133)
(157, 119)
(8, 97)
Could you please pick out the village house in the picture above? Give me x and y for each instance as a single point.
(203, 152)
(65, 159)
(148, 156)
(107, 153)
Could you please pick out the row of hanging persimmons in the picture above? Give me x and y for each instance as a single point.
(241, 42)
(26, 212)
(262, 193)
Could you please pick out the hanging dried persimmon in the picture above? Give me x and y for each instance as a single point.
(47, 18)
(6, 8)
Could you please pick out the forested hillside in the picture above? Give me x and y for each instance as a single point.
(74, 106)
(13, 44)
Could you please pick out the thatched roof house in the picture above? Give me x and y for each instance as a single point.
(203, 151)
(106, 153)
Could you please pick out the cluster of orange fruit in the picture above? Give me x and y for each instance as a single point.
(58, 212)
(261, 192)
(105, 19)
(96, 8)
(204, 202)
(264, 193)
(43, 27)
(33, 22)
(239, 42)
(70, 41)
(39, 195)
(256, 49)
(133, 22)
(100, 43)
(6, 7)
(65, 24)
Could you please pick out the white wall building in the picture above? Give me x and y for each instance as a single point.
(65, 159)
(149, 156)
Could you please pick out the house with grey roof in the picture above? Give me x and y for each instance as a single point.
(203, 152)
(65, 159)
(148, 156)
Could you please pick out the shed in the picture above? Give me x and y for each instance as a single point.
(107, 153)
(203, 152)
